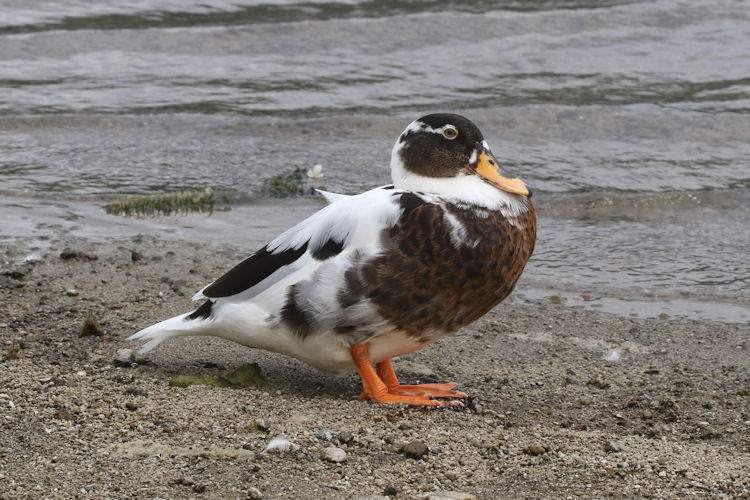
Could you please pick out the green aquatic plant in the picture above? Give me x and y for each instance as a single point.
(247, 375)
(286, 185)
(165, 204)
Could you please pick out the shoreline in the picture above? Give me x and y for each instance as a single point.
(549, 416)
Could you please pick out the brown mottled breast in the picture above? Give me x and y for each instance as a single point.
(425, 284)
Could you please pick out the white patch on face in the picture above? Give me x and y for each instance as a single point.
(459, 234)
(466, 189)
(473, 157)
(418, 126)
(485, 145)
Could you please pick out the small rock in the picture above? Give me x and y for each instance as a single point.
(71, 292)
(415, 449)
(124, 357)
(333, 454)
(135, 256)
(345, 437)
(324, 434)
(131, 406)
(390, 491)
(91, 327)
(474, 405)
(535, 449)
(254, 493)
(449, 495)
(612, 447)
(199, 488)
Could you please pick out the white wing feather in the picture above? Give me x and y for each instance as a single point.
(355, 221)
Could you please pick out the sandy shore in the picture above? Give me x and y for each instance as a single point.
(550, 417)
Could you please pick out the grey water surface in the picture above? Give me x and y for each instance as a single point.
(630, 119)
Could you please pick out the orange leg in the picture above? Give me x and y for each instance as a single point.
(387, 375)
(376, 389)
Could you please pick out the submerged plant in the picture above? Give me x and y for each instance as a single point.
(165, 204)
(286, 185)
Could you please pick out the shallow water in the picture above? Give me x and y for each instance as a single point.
(629, 119)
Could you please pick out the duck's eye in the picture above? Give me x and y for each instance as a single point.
(450, 132)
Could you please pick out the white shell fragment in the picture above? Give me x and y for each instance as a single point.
(281, 444)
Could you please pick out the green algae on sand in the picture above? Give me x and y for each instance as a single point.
(247, 375)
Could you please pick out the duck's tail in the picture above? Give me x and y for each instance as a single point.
(197, 322)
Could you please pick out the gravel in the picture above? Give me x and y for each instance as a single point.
(72, 424)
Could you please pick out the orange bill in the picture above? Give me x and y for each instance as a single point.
(488, 169)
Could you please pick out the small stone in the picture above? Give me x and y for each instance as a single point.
(71, 292)
(199, 488)
(91, 327)
(124, 357)
(415, 449)
(390, 491)
(254, 493)
(535, 449)
(345, 437)
(333, 454)
(474, 405)
(135, 256)
(612, 447)
(324, 434)
(131, 406)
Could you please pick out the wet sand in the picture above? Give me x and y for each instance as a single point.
(549, 416)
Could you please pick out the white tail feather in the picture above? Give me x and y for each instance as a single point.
(172, 327)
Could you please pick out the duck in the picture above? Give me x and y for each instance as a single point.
(377, 275)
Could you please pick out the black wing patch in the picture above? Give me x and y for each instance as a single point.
(252, 271)
(330, 248)
(204, 311)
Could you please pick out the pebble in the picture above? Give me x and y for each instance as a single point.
(254, 493)
(415, 449)
(612, 446)
(390, 491)
(333, 454)
(535, 449)
(71, 292)
(345, 437)
(324, 434)
(91, 327)
(124, 357)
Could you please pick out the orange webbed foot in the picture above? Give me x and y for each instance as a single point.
(383, 387)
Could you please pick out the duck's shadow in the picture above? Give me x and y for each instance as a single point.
(215, 356)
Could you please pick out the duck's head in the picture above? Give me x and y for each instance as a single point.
(443, 153)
